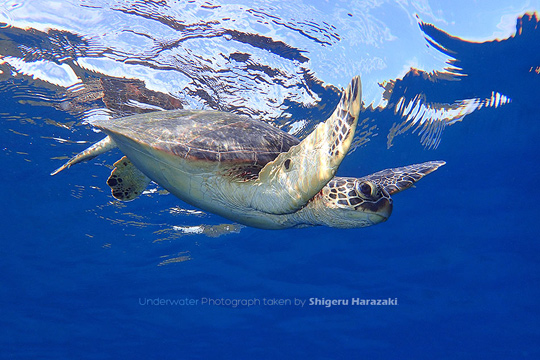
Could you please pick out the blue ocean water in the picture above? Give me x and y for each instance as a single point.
(87, 277)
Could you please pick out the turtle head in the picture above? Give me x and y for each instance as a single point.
(353, 203)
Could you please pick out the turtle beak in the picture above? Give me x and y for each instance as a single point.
(386, 208)
(380, 210)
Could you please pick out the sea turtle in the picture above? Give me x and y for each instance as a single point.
(249, 171)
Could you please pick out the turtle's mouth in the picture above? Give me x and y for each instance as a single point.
(378, 211)
(377, 218)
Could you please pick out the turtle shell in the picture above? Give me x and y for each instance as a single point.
(236, 142)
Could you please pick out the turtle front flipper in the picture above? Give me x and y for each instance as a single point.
(293, 178)
(126, 181)
(402, 178)
(97, 149)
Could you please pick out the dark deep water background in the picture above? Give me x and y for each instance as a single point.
(460, 252)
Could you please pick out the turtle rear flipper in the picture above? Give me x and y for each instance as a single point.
(293, 178)
(95, 150)
(126, 181)
(402, 178)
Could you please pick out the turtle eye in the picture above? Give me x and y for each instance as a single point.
(367, 189)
